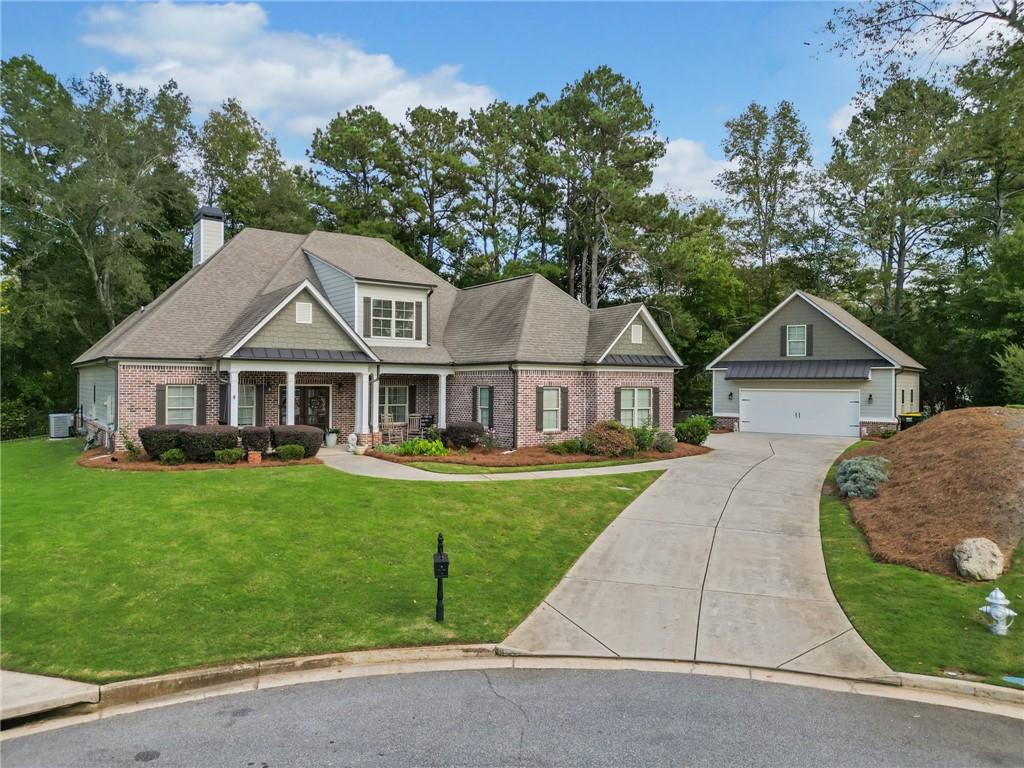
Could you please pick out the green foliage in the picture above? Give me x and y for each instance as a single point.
(1011, 365)
(310, 438)
(130, 447)
(200, 443)
(13, 419)
(290, 452)
(173, 457)
(463, 434)
(695, 430)
(566, 447)
(644, 437)
(418, 446)
(664, 442)
(229, 455)
(609, 438)
(256, 438)
(862, 476)
(160, 438)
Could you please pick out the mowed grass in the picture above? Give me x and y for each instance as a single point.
(112, 575)
(916, 621)
(449, 468)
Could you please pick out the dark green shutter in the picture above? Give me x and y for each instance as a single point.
(200, 404)
(565, 408)
(540, 409)
(367, 327)
(412, 399)
(476, 403)
(810, 340)
(418, 323)
(655, 404)
(426, 318)
(618, 404)
(224, 411)
(490, 408)
(782, 342)
(161, 404)
(259, 405)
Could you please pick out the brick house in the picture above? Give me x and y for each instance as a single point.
(340, 331)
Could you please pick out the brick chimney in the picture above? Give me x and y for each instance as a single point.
(207, 233)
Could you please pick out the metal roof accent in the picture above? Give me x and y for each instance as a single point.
(661, 361)
(802, 369)
(280, 353)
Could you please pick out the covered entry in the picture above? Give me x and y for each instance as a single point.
(800, 411)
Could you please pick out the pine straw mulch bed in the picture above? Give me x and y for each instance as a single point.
(538, 455)
(98, 458)
(956, 475)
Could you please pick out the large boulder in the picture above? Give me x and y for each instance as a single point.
(978, 559)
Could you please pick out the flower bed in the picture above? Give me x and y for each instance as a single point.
(98, 458)
(536, 456)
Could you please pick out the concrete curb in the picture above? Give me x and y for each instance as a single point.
(193, 685)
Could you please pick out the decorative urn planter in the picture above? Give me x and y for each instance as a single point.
(359, 450)
(255, 457)
(331, 439)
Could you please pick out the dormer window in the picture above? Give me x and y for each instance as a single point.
(303, 312)
(393, 319)
(796, 341)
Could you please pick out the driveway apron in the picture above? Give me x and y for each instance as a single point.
(718, 561)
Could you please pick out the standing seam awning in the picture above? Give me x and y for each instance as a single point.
(803, 369)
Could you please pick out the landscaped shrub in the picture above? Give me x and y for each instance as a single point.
(464, 434)
(160, 438)
(256, 438)
(644, 437)
(229, 455)
(200, 442)
(130, 447)
(862, 475)
(292, 452)
(664, 442)
(695, 430)
(310, 438)
(566, 447)
(13, 419)
(609, 438)
(172, 457)
(417, 446)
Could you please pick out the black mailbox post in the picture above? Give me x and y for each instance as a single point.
(440, 573)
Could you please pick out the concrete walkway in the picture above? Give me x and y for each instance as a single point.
(22, 694)
(718, 561)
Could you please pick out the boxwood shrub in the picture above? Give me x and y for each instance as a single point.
(199, 443)
(664, 442)
(256, 438)
(695, 430)
(310, 438)
(172, 457)
(229, 455)
(464, 434)
(159, 439)
(290, 452)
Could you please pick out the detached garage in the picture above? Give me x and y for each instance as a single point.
(810, 368)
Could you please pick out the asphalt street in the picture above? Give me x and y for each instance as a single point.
(533, 718)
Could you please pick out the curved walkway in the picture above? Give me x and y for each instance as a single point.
(718, 561)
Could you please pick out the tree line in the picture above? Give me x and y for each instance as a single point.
(914, 223)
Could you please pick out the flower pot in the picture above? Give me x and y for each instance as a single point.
(255, 457)
(359, 450)
(331, 439)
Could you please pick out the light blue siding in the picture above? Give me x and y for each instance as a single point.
(339, 288)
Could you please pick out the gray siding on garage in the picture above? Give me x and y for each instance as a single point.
(339, 288)
(908, 392)
(97, 387)
(831, 341)
(879, 387)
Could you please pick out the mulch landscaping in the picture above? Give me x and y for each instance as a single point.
(956, 475)
(98, 458)
(537, 455)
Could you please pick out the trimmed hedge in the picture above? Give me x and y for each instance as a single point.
(159, 439)
(199, 443)
(256, 438)
(464, 434)
(290, 452)
(609, 438)
(310, 438)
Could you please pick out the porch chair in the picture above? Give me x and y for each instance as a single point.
(415, 426)
(390, 429)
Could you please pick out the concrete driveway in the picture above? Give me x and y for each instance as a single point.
(719, 561)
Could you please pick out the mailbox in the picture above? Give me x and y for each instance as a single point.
(440, 565)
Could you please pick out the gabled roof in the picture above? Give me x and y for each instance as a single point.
(606, 324)
(872, 339)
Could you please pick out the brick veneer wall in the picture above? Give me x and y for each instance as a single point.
(727, 422)
(460, 400)
(607, 381)
(136, 394)
(876, 428)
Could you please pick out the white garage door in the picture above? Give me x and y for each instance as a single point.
(800, 411)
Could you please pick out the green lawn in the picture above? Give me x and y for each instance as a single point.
(916, 621)
(449, 468)
(111, 575)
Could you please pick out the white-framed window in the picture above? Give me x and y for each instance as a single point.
(394, 400)
(636, 333)
(796, 340)
(181, 403)
(636, 406)
(483, 405)
(405, 319)
(247, 405)
(393, 319)
(381, 317)
(303, 312)
(551, 405)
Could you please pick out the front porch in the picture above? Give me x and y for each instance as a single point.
(346, 397)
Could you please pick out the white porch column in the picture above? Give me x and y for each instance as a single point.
(362, 398)
(233, 398)
(375, 405)
(290, 398)
(442, 400)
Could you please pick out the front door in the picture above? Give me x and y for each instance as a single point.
(311, 406)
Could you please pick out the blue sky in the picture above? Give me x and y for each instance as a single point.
(294, 65)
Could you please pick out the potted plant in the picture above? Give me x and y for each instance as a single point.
(359, 449)
(254, 457)
(331, 438)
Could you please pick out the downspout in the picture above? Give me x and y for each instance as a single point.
(515, 406)
(426, 320)
(117, 399)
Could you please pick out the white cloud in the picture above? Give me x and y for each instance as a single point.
(686, 168)
(291, 79)
(840, 119)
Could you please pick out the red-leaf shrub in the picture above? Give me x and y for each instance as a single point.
(609, 438)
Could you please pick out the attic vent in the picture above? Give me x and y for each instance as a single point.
(303, 312)
(637, 333)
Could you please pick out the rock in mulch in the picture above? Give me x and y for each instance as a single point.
(978, 559)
